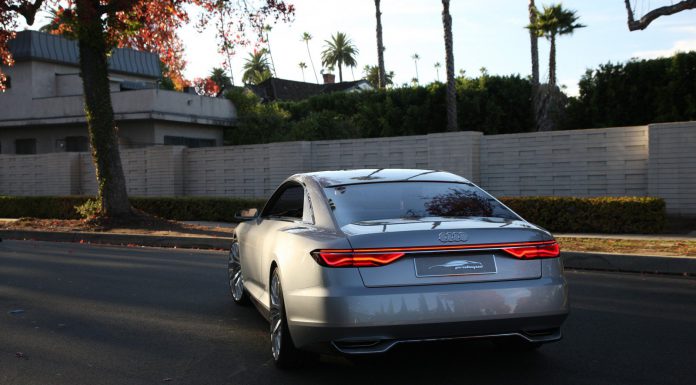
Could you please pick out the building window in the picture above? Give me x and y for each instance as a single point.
(188, 142)
(25, 146)
(76, 144)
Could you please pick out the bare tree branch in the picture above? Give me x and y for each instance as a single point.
(635, 25)
(26, 9)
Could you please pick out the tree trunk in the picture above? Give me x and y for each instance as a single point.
(552, 63)
(314, 70)
(534, 43)
(101, 125)
(340, 73)
(382, 79)
(451, 89)
(534, 46)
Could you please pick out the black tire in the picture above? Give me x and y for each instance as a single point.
(235, 277)
(285, 354)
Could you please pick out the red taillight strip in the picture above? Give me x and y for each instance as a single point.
(439, 248)
(386, 255)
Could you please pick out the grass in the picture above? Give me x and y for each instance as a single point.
(630, 246)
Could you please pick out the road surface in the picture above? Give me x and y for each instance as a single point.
(81, 314)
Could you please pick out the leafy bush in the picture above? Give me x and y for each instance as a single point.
(640, 215)
(40, 207)
(196, 208)
(185, 208)
(491, 104)
(562, 214)
(635, 93)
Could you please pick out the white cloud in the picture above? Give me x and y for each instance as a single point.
(678, 46)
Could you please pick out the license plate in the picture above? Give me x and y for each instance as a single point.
(436, 266)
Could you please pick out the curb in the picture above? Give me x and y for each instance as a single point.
(571, 259)
(121, 239)
(629, 263)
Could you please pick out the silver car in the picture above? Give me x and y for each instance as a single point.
(359, 261)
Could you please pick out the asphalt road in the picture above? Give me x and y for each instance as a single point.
(81, 314)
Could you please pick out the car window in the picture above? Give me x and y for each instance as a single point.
(289, 203)
(412, 200)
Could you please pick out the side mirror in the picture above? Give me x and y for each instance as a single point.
(246, 214)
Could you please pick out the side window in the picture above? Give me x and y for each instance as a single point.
(289, 204)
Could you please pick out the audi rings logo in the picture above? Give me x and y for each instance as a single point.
(453, 237)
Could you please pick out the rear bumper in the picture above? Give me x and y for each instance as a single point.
(372, 320)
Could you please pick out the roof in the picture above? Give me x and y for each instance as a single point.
(35, 45)
(283, 89)
(347, 177)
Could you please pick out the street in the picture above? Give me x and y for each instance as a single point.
(82, 314)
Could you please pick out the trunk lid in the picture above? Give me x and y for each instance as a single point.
(429, 267)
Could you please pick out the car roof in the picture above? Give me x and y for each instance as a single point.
(378, 175)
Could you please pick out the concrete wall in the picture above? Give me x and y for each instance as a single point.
(597, 162)
(656, 160)
(672, 166)
(48, 174)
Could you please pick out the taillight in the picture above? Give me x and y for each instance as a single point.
(549, 250)
(354, 259)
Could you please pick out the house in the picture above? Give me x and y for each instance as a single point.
(42, 111)
(273, 89)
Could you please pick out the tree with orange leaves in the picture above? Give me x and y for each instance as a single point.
(101, 25)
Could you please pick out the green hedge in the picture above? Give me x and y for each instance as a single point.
(562, 214)
(638, 215)
(183, 209)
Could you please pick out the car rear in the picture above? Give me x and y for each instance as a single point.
(432, 260)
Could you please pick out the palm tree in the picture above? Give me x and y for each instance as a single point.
(449, 63)
(302, 66)
(267, 28)
(382, 79)
(415, 58)
(256, 68)
(554, 21)
(306, 37)
(371, 74)
(533, 39)
(437, 69)
(340, 51)
(220, 78)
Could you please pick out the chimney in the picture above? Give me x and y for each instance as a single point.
(329, 78)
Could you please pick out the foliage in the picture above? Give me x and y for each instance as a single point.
(492, 104)
(74, 207)
(635, 93)
(150, 25)
(562, 214)
(640, 215)
(339, 51)
(371, 74)
(256, 67)
(90, 209)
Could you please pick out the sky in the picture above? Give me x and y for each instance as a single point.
(487, 34)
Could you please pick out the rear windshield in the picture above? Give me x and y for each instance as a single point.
(412, 200)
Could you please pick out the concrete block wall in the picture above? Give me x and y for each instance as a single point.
(46, 174)
(656, 160)
(152, 171)
(595, 162)
(242, 171)
(672, 166)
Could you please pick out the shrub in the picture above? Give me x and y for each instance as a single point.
(561, 214)
(185, 208)
(40, 207)
(641, 215)
(196, 208)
